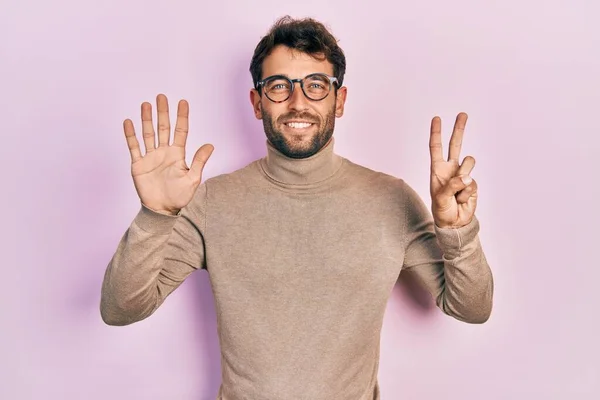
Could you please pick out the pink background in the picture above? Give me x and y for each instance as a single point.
(527, 72)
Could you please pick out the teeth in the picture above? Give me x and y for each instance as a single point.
(298, 125)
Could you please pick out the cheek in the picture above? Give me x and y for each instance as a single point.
(324, 110)
(332, 110)
(267, 115)
(273, 112)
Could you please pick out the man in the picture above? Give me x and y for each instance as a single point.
(303, 247)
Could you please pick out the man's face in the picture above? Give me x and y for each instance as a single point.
(285, 123)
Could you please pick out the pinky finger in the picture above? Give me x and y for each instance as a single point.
(132, 142)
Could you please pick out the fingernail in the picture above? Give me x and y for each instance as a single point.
(466, 179)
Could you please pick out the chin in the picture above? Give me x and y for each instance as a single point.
(296, 151)
(296, 146)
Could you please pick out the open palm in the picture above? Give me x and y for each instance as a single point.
(161, 177)
(453, 200)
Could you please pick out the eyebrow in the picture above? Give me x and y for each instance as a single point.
(287, 76)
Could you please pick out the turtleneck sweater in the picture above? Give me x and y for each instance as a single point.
(302, 256)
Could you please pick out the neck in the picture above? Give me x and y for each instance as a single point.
(301, 171)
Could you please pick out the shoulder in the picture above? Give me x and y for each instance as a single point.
(366, 178)
(241, 177)
(387, 195)
(230, 185)
(383, 186)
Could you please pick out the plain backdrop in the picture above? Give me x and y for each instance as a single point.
(526, 72)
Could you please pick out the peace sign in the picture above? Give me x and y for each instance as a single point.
(453, 191)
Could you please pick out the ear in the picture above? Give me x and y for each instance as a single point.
(255, 100)
(340, 101)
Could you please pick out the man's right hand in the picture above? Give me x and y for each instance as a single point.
(161, 177)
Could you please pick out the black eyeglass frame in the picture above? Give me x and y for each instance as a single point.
(332, 80)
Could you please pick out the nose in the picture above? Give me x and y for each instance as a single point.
(298, 101)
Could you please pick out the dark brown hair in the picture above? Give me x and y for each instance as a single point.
(306, 35)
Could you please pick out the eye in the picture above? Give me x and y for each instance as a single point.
(277, 85)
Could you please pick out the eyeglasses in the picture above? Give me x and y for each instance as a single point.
(279, 88)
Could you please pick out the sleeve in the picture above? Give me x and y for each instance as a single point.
(450, 263)
(154, 256)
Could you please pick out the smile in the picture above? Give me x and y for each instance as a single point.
(299, 125)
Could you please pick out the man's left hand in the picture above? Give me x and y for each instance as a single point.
(453, 191)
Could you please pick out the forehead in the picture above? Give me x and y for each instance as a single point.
(293, 63)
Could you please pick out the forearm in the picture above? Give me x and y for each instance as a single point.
(467, 292)
(130, 290)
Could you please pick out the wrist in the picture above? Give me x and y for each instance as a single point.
(162, 210)
(166, 212)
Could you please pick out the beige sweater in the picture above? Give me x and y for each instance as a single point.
(302, 257)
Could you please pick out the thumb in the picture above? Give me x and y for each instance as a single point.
(200, 158)
(457, 184)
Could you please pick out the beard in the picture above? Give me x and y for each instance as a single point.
(297, 146)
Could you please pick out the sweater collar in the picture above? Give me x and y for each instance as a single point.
(304, 171)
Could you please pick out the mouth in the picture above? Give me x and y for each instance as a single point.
(299, 125)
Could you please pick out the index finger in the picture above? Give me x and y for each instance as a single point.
(457, 137)
(435, 140)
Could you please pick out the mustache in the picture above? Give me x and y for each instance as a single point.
(303, 116)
